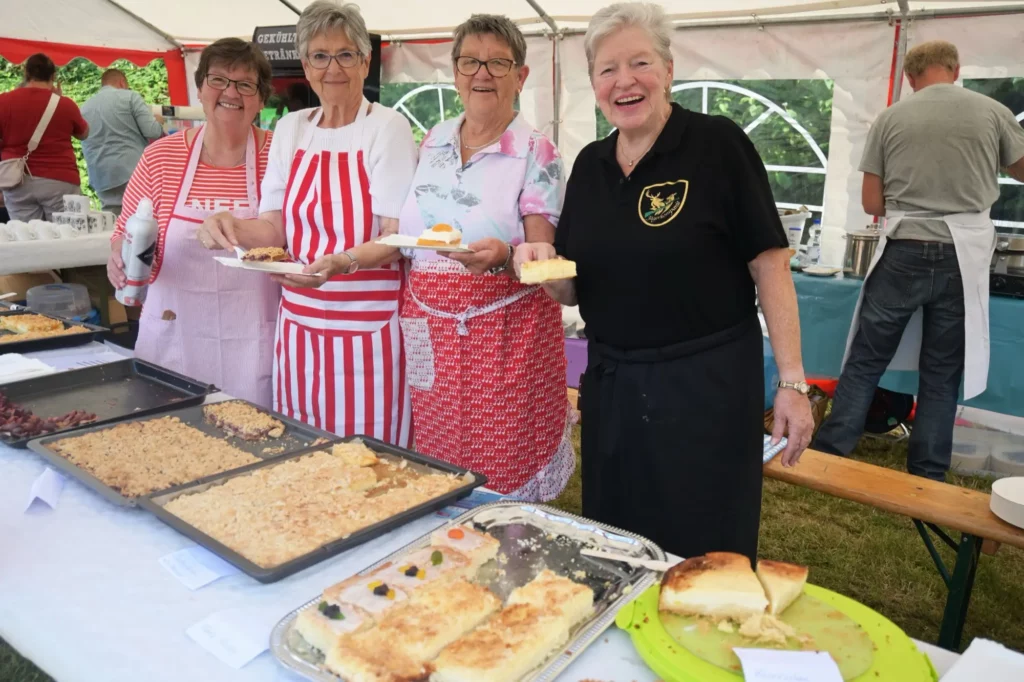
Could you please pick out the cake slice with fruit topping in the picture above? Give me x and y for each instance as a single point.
(426, 565)
(324, 625)
(371, 593)
(478, 547)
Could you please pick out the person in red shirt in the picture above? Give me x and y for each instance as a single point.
(52, 169)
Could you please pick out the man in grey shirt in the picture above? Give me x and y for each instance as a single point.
(121, 125)
(937, 152)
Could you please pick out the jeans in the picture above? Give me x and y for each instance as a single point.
(909, 275)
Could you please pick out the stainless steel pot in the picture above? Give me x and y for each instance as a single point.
(1008, 258)
(860, 249)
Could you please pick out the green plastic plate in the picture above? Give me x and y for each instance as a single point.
(896, 657)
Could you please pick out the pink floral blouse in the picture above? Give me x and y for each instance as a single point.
(519, 175)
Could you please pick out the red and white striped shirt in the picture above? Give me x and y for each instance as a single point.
(159, 175)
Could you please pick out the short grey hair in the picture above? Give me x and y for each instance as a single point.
(327, 16)
(645, 15)
(499, 26)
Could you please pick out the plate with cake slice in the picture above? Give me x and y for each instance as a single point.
(441, 237)
(687, 627)
(271, 259)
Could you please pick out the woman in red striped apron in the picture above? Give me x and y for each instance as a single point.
(336, 181)
(486, 355)
(201, 319)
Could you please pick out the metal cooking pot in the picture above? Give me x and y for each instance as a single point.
(860, 249)
(1008, 258)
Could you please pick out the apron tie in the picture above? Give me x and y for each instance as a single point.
(472, 311)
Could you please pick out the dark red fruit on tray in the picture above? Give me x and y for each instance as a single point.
(17, 422)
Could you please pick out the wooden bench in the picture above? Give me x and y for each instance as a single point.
(928, 503)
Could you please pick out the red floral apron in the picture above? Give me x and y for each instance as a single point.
(485, 358)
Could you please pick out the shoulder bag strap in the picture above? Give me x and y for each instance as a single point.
(51, 107)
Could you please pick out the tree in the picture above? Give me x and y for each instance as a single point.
(80, 80)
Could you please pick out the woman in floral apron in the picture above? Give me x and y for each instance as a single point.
(485, 354)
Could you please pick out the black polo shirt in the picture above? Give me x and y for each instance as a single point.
(662, 254)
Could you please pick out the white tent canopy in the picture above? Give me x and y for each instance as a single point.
(198, 21)
(855, 44)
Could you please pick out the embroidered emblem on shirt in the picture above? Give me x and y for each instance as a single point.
(659, 204)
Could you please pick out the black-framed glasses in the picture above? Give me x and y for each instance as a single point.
(346, 59)
(223, 83)
(498, 68)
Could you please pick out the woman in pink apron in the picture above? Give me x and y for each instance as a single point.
(337, 178)
(486, 354)
(208, 322)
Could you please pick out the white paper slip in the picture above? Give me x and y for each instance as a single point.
(16, 367)
(77, 357)
(986, 660)
(405, 241)
(196, 567)
(235, 636)
(46, 488)
(273, 268)
(772, 665)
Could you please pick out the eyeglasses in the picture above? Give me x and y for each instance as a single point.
(346, 59)
(498, 68)
(244, 88)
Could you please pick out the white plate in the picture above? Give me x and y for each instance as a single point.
(821, 271)
(1007, 501)
(404, 241)
(275, 268)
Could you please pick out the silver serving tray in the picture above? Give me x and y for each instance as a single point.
(533, 537)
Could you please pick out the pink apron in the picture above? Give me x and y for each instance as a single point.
(339, 348)
(204, 320)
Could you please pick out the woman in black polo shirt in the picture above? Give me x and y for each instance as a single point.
(671, 223)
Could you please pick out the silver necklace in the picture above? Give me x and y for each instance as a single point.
(209, 159)
(632, 161)
(472, 148)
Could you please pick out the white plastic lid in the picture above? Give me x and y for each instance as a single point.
(145, 208)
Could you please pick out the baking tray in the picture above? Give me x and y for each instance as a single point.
(50, 342)
(298, 437)
(155, 505)
(532, 537)
(112, 391)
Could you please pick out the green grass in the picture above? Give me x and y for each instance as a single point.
(873, 557)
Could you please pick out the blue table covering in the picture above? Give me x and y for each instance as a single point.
(826, 311)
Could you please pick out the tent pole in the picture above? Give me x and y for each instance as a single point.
(901, 52)
(557, 98)
(290, 6)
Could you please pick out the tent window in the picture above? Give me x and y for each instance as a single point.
(1008, 211)
(789, 122)
(424, 104)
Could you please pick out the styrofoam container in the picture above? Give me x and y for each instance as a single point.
(794, 226)
(1007, 501)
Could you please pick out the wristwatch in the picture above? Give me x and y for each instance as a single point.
(353, 264)
(498, 269)
(801, 387)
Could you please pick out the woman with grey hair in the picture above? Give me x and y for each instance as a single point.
(672, 225)
(487, 360)
(336, 180)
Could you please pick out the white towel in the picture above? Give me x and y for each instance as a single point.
(989, 661)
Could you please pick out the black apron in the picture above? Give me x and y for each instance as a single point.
(673, 440)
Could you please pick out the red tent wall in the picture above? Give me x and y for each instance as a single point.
(17, 51)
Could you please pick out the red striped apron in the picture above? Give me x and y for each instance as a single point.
(339, 349)
(204, 320)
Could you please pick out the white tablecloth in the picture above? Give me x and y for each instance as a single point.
(83, 596)
(53, 254)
